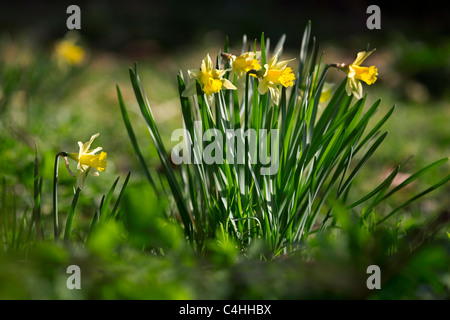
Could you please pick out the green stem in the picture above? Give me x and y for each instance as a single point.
(37, 200)
(55, 195)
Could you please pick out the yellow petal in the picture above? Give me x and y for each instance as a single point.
(207, 64)
(194, 73)
(263, 86)
(354, 87)
(190, 89)
(361, 56)
(228, 85)
(275, 94)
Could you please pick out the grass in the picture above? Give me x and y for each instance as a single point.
(128, 239)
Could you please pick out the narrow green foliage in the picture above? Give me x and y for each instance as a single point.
(173, 183)
(70, 216)
(115, 209)
(107, 199)
(37, 188)
(320, 149)
(133, 140)
(414, 198)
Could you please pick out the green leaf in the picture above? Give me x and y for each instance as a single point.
(70, 215)
(414, 176)
(382, 187)
(423, 193)
(122, 190)
(133, 140)
(151, 125)
(107, 199)
(37, 188)
(360, 164)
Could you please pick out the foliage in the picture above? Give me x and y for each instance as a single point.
(320, 153)
(309, 232)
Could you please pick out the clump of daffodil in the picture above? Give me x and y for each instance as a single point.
(210, 79)
(67, 52)
(88, 160)
(356, 74)
(244, 63)
(273, 75)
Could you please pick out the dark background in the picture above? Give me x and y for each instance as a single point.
(417, 33)
(112, 25)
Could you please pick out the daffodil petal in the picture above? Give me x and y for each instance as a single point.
(207, 65)
(361, 56)
(228, 85)
(95, 150)
(80, 179)
(349, 87)
(190, 89)
(194, 73)
(263, 86)
(94, 173)
(282, 64)
(275, 94)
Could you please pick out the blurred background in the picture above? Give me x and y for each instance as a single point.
(114, 25)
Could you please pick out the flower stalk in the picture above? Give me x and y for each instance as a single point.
(55, 191)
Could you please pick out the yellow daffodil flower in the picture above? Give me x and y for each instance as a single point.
(87, 160)
(275, 74)
(210, 79)
(356, 73)
(68, 53)
(244, 63)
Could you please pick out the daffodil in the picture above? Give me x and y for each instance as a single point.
(356, 74)
(210, 79)
(275, 74)
(68, 52)
(244, 63)
(87, 160)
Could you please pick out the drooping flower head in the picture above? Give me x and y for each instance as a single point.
(356, 73)
(244, 63)
(88, 159)
(210, 79)
(275, 74)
